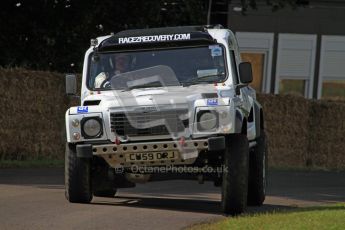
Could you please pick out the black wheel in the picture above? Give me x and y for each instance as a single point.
(77, 177)
(257, 172)
(102, 178)
(105, 193)
(235, 174)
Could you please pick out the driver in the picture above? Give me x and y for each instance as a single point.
(119, 64)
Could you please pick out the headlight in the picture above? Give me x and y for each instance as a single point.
(207, 120)
(91, 127)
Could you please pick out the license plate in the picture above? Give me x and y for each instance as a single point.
(151, 156)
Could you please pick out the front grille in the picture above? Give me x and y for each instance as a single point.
(149, 122)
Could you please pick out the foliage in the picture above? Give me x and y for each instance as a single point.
(323, 217)
(54, 34)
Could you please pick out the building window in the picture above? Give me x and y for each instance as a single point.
(257, 48)
(295, 87)
(332, 62)
(258, 64)
(333, 89)
(295, 64)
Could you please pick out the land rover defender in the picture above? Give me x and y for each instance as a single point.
(166, 103)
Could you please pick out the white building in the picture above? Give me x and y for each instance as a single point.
(300, 51)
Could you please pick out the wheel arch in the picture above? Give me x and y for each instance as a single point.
(259, 119)
(241, 123)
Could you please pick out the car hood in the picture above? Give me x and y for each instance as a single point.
(171, 96)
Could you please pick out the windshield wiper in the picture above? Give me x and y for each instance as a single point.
(200, 79)
(148, 85)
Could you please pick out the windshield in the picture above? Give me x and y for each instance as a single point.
(179, 66)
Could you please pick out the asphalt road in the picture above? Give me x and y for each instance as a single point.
(34, 199)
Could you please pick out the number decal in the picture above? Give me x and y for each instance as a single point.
(150, 156)
(82, 109)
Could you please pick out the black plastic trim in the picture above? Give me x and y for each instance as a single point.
(238, 122)
(91, 102)
(216, 143)
(257, 120)
(84, 151)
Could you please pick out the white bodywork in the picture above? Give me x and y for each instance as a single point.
(227, 102)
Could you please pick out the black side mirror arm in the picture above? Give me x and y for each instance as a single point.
(238, 87)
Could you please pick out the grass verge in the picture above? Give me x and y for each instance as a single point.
(36, 163)
(304, 168)
(322, 217)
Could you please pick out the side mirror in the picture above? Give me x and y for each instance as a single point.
(71, 84)
(246, 75)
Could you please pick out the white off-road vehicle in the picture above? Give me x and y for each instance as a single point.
(166, 103)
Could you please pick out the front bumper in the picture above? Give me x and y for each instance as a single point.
(187, 151)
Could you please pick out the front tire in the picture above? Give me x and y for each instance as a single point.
(235, 174)
(77, 177)
(257, 173)
(102, 179)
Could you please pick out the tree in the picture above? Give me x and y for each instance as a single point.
(54, 34)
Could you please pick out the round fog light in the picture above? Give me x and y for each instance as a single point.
(76, 136)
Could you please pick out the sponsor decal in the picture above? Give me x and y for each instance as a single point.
(154, 38)
(213, 101)
(82, 109)
(215, 50)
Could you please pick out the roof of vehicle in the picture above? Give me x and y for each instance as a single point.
(164, 36)
(162, 30)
